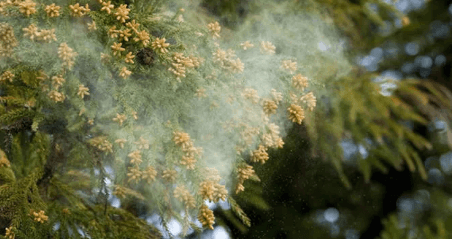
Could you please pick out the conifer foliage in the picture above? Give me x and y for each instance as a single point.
(105, 101)
(113, 111)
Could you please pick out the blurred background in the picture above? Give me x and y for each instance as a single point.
(373, 160)
(340, 175)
